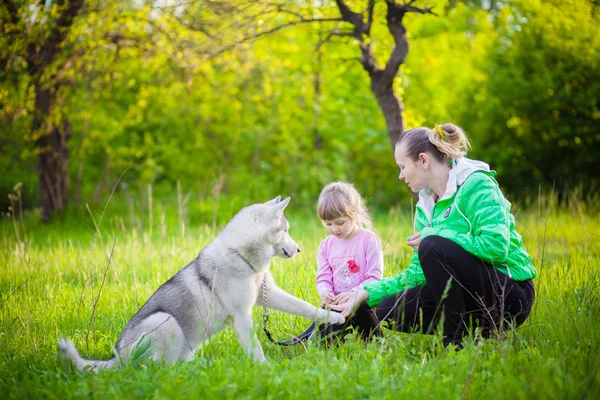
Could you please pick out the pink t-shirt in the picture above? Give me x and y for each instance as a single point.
(345, 264)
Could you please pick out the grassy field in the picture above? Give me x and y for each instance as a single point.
(57, 281)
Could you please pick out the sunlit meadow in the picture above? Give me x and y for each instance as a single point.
(83, 277)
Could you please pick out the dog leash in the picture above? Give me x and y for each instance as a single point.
(296, 339)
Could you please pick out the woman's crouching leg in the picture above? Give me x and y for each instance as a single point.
(413, 310)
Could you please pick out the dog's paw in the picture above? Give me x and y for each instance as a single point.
(330, 317)
(259, 358)
(336, 318)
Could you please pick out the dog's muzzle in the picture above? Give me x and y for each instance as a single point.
(288, 255)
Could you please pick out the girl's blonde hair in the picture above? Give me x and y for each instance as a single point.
(445, 142)
(341, 199)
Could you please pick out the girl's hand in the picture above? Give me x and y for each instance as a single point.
(346, 302)
(326, 298)
(414, 241)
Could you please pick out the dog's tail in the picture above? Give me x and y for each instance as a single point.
(68, 352)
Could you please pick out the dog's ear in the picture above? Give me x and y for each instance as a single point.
(283, 204)
(273, 201)
(277, 209)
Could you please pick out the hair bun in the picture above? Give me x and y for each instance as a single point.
(451, 132)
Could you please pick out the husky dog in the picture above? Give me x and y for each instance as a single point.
(216, 289)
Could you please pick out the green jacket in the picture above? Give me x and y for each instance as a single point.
(472, 213)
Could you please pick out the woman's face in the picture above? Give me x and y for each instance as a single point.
(413, 173)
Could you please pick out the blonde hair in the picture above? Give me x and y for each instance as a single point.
(341, 199)
(451, 143)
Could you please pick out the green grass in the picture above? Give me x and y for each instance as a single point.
(56, 281)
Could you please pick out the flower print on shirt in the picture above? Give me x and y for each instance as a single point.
(353, 266)
(362, 256)
(346, 272)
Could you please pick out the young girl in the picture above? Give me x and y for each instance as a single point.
(350, 256)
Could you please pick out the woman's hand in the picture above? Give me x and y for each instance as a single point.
(346, 302)
(414, 241)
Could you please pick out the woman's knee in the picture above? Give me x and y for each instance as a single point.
(435, 244)
(428, 244)
(430, 252)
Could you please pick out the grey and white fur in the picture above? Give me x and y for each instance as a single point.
(216, 289)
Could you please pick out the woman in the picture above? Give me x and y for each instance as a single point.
(469, 264)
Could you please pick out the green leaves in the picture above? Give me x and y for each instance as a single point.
(538, 99)
(177, 94)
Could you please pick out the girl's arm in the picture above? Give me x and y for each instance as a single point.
(324, 271)
(374, 260)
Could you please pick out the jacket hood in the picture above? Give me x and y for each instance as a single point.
(462, 168)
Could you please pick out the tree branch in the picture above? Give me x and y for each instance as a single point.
(367, 58)
(370, 10)
(394, 16)
(279, 8)
(331, 34)
(38, 60)
(268, 32)
(354, 18)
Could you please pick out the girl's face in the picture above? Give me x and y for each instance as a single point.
(343, 228)
(413, 173)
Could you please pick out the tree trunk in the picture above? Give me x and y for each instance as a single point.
(53, 153)
(392, 108)
(382, 79)
(53, 156)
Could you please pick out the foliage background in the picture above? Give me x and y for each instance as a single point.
(165, 105)
(194, 127)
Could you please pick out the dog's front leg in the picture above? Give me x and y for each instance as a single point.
(279, 299)
(242, 324)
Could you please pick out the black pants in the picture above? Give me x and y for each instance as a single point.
(364, 321)
(464, 289)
